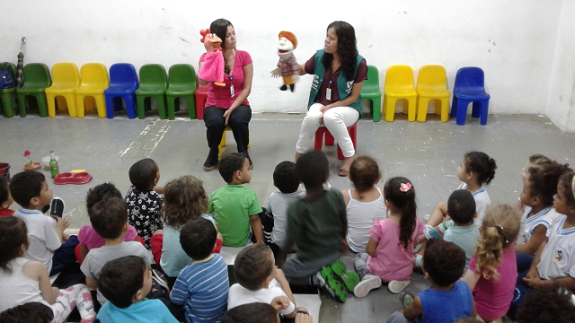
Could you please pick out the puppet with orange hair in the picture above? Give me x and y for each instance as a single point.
(287, 66)
(213, 68)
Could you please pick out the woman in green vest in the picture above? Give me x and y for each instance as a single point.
(335, 101)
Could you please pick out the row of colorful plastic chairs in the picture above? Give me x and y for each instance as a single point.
(431, 85)
(65, 89)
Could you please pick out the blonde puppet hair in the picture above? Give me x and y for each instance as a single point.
(500, 229)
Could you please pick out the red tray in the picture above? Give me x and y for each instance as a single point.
(72, 178)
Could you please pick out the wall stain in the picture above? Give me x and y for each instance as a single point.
(184, 40)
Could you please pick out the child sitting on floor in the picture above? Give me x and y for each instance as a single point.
(5, 198)
(254, 269)
(87, 236)
(365, 203)
(548, 305)
(493, 269)
(274, 220)
(109, 220)
(449, 298)
(184, 199)
(476, 171)
(389, 254)
(125, 282)
(48, 242)
(317, 224)
(553, 263)
(23, 280)
(235, 207)
(461, 229)
(144, 200)
(202, 286)
(539, 186)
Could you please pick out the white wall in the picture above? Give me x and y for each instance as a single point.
(514, 41)
(561, 100)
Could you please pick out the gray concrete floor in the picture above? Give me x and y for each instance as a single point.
(426, 153)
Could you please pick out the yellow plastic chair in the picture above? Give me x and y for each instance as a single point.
(399, 85)
(93, 83)
(432, 85)
(65, 81)
(223, 142)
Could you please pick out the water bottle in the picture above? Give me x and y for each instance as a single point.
(54, 170)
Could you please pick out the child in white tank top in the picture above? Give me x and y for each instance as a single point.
(363, 204)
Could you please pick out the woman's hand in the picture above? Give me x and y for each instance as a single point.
(227, 115)
(323, 110)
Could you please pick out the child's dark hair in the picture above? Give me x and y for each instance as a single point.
(468, 320)
(444, 261)
(121, 278)
(481, 165)
(285, 177)
(543, 180)
(98, 192)
(230, 164)
(252, 312)
(4, 190)
(500, 229)
(143, 174)
(108, 217)
(566, 181)
(401, 194)
(313, 169)
(13, 234)
(34, 312)
(253, 266)
(198, 238)
(364, 173)
(547, 305)
(184, 199)
(461, 206)
(26, 185)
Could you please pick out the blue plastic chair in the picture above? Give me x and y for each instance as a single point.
(469, 87)
(123, 85)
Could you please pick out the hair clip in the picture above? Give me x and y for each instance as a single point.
(404, 187)
(500, 231)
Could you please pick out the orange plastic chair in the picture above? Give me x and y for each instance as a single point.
(432, 85)
(399, 85)
(65, 81)
(94, 80)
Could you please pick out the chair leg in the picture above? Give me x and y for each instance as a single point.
(101, 104)
(71, 103)
(411, 108)
(8, 104)
(141, 106)
(484, 108)
(461, 111)
(161, 102)
(376, 108)
(318, 139)
(171, 107)
(222, 144)
(130, 106)
(51, 99)
(22, 104)
(454, 107)
(389, 108)
(329, 140)
(80, 109)
(191, 106)
(476, 109)
(200, 104)
(422, 104)
(109, 106)
(444, 109)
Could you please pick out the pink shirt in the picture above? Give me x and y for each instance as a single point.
(88, 237)
(219, 96)
(493, 297)
(391, 260)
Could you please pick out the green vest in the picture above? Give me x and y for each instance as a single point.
(343, 86)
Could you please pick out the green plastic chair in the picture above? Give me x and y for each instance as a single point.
(371, 91)
(153, 84)
(7, 95)
(36, 80)
(182, 84)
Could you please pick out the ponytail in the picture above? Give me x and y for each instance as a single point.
(480, 164)
(401, 194)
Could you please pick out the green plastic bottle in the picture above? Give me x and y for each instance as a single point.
(54, 170)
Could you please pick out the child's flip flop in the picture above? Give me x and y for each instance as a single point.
(350, 279)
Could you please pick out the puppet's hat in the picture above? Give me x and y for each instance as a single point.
(290, 36)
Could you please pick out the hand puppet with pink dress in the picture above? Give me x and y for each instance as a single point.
(213, 68)
(287, 66)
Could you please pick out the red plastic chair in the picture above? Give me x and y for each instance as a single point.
(329, 140)
(201, 97)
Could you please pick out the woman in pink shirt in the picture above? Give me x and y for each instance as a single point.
(228, 104)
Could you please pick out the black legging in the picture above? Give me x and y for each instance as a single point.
(239, 122)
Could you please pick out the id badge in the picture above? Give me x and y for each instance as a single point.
(328, 94)
(232, 93)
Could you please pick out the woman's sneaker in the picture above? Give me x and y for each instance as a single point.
(367, 283)
(397, 286)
